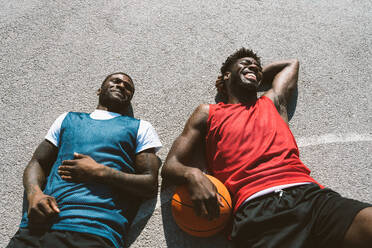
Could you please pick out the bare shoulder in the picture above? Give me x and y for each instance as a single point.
(202, 109)
(202, 112)
(199, 117)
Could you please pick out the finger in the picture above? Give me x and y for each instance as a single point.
(68, 162)
(64, 172)
(35, 215)
(44, 206)
(197, 207)
(203, 210)
(53, 204)
(213, 208)
(67, 178)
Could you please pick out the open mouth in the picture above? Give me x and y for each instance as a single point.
(249, 74)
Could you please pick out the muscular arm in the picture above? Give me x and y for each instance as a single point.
(179, 167)
(187, 148)
(283, 75)
(144, 183)
(41, 206)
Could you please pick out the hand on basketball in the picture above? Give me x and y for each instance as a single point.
(204, 196)
(41, 208)
(81, 169)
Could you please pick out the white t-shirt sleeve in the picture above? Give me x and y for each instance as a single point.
(147, 137)
(55, 130)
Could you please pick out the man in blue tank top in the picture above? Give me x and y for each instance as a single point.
(84, 181)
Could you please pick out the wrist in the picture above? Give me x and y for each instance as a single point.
(33, 191)
(191, 174)
(103, 174)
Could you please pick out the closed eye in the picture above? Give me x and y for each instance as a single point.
(248, 62)
(119, 81)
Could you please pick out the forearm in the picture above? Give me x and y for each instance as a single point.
(180, 163)
(83, 168)
(271, 70)
(35, 174)
(176, 172)
(33, 178)
(142, 185)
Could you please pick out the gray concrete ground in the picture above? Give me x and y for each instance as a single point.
(54, 55)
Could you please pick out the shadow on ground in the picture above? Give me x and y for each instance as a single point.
(143, 215)
(175, 237)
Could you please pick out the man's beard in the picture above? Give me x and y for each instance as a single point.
(240, 84)
(105, 99)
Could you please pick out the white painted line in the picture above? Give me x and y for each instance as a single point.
(333, 138)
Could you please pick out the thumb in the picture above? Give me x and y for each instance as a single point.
(54, 206)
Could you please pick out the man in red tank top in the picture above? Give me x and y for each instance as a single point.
(246, 143)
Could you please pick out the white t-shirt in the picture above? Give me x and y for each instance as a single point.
(146, 136)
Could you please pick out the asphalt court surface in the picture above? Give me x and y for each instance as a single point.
(54, 55)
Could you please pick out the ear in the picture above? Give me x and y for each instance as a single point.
(227, 75)
(99, 92)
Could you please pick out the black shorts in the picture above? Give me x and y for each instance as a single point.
(57, 239)
(297, 217)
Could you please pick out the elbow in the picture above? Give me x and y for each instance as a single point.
(165, 176)
(163, 172)
(151, 189)
(165, 168)
(168, 173)
(295, 63)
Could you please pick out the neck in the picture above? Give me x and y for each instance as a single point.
(242, 97)
(122, 111)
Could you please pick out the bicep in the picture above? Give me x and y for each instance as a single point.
(186, 144)
(45, 154)
(147, 163)
(189, 146)
(284, 83)
(283, 86)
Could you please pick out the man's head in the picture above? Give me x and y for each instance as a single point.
(241, 71)
(116, 92)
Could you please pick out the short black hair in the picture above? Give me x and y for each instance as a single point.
(238, 54)
(122, 73)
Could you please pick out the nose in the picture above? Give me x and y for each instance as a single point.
(120, 85)
(253, 68)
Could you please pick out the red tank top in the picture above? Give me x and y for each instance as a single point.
(251, 148)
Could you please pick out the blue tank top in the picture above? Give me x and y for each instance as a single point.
(92, 207)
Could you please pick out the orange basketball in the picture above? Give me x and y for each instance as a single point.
(185, 217)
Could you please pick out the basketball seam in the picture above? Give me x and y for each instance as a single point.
(224, 199)
(182, 203)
